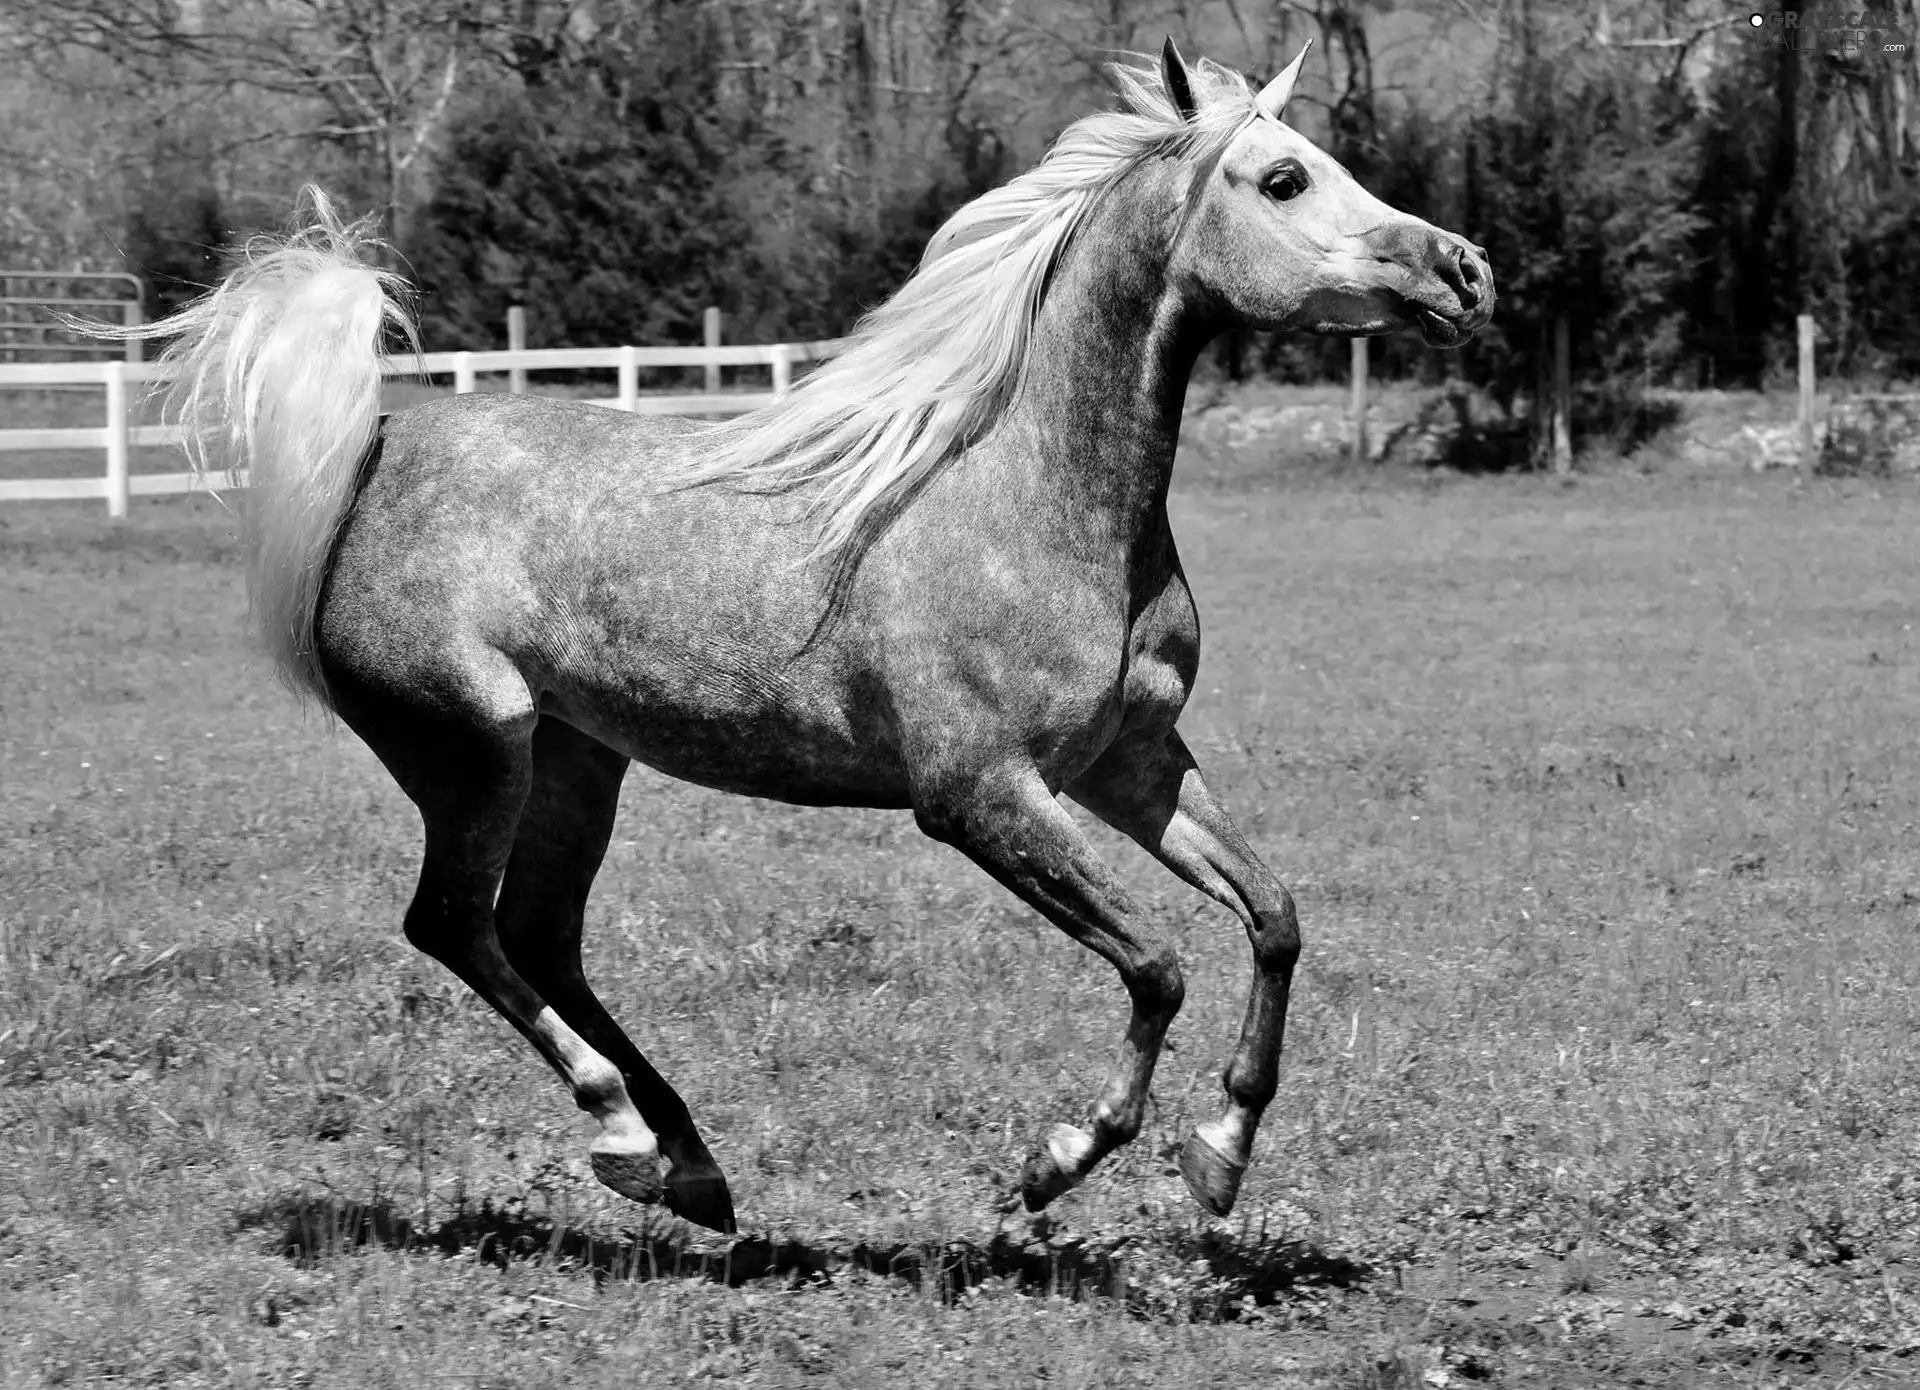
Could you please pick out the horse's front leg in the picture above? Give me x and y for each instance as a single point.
(1150, 788)
(1007, 822)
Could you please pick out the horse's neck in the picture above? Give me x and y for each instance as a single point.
(1110, 355)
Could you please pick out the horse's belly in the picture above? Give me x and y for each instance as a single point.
(786, 749)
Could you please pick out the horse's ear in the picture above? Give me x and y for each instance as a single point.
(1173, 71)
(1273, 97)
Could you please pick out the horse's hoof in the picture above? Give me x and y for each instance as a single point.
(700, 1195)
(1055, 1168)
(1212, 1177)
(634, 1174)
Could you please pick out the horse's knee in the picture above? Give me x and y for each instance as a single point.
(1155, 982)
(1275, 935)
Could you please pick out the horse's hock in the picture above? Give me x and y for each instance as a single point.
(1877, 436)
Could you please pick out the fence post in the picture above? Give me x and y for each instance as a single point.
(782, 369)
(1805, 420)
(1357, 407)
(712, 324)
(1562, 399)
(116, 439)
(463, 373)
(516, 342)
(131, 316)
(629, 378)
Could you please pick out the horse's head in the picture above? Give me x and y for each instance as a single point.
(1277, 233)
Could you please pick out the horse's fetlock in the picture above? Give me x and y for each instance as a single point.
(598, 1085)
(1252, 1083)
(1114, 1126)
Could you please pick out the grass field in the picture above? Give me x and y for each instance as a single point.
(1599, 800)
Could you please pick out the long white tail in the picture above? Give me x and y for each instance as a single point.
(277, 371)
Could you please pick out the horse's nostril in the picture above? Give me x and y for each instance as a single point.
(1458, 268)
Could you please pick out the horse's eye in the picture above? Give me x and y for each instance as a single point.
(1286, 184)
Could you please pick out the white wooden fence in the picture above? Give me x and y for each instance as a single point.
(118, 435)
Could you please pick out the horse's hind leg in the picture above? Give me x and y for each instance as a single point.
(562, 839)
(469, 770)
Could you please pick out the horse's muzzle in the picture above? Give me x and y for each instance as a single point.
(1462, 267)
(1451, 296)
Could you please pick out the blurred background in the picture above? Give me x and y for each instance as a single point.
(1664, 176)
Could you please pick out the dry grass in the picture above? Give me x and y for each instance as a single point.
(1599, 801)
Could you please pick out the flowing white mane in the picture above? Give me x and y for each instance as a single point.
(933, 368)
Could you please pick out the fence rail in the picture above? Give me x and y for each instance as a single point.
(118, 435)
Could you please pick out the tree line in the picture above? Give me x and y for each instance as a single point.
(1672, 180)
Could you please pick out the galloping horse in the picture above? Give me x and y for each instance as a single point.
(938, 576)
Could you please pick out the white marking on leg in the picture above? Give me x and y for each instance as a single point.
(1230, 1137)
(595, 1082)
(1071, 1150)
(1117, 1116)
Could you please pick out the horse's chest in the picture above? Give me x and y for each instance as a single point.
(1131, 679)
(1163, 656)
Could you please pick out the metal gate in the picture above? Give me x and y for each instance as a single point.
(28, 334)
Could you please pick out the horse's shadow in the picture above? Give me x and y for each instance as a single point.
(1240, 1272)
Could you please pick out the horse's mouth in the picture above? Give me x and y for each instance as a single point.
(1439, 332)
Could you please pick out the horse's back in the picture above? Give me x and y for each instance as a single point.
(545, 441)
(512, 552)
(512, 500)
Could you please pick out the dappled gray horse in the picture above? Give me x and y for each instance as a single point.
(937, 576)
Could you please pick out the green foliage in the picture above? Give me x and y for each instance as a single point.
(1883, 261)
(603, 214)
(1871, 436)
(176, 230)
(1679, 193)
(619, 209)
(1743, 294)
(1580, 192)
